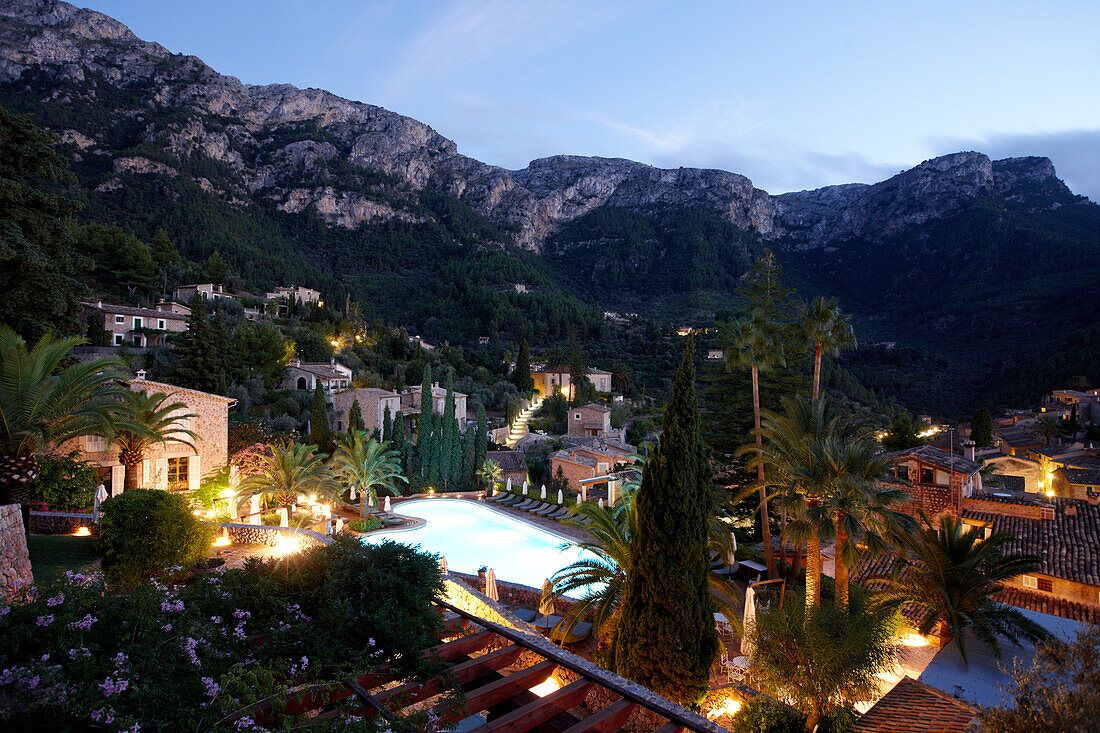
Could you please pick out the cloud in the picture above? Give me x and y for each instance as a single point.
(1075, 153)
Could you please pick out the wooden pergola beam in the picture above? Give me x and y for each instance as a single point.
(498, 691)
(608, 720)
(537, 712)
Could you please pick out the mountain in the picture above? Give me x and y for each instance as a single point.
(972, 267)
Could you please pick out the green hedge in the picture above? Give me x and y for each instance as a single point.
(145, 531)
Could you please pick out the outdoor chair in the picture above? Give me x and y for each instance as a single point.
(579, 632)
(526, 504)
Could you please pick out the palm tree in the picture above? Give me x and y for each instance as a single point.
(291, 470)
(143, 421)
(44, 404)
(827, 329)
(491, 472)
(791, 449)
(859, 507)
(752, 343)
(951, 574)
(363, 463)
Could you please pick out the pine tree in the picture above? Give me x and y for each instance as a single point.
(319, 433)
(665, 638)
(521, 375)
(981, 428)
(221, 348)
(469, 470)
(480, 446)
(355, 417)
(425, 427)
(387, 425)
(197, 361)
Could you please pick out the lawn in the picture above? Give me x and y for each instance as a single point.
(52, 555)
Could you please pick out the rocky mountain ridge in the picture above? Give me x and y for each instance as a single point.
(354, 164)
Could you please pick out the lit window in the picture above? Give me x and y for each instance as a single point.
(177, 473)
(1030, 581)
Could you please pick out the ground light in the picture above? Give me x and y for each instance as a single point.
(222, 540)
(914, 640)
(286, 546)
(82, 532)
(730, 706)
(543, 689)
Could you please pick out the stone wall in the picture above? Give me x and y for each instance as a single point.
(58, 522)
(15, 560)
(259, 534)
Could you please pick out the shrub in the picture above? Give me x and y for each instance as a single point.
(365, 525)
(765, 715)
(66, 483)
(145, 531)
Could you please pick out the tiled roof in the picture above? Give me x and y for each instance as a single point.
(914, 707)
(129, 310)
(1068, 545)
(565, 455)
(1033, 600)
(1017, 437)
(369, 392)
(1085, 476)
(594, 407)
(169, 388)
(937, 457)
(1011, 483)
(510, 461)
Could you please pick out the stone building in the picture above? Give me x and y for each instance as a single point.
(938, 481)
(331, 375)
(589, 459)
(513, 465)
(591, 420)
(133, 326)
(410, 403)
(549, 381)
(173, 465)
(372, 404)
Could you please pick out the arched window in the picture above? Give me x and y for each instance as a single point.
(301, 383)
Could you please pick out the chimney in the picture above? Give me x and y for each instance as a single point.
(332, 361)
(99, 304)
(141, 374)
(1070, 510)
(296, 362)
(969, 450)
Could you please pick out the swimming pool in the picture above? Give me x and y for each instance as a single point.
(470, 535)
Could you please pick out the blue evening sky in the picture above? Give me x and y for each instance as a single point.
(792, 94)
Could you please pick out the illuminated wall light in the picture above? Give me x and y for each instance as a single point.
(82, 532)
(286, 546)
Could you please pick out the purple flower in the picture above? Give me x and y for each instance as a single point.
(216, 619)
(45, 657)
(169, 606)
(5, 610)
(188, 647)
(241, 614)
(84, 623)
(212, 687)
(111, 686)
(246, 722)
(106, 716)
(56, 600)
(33, 682)
(80, 652)
(166, 627)
(44, 620)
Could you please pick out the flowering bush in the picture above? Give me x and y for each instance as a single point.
(144, 531)
(189, 656)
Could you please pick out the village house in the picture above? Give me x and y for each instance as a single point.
(299, 293)
(938, 481)
(1075, 483)
(1087, 402)
(410, 403)
(133, 326)
(547, 381)
(1015, 440)
(372, 405)
(590, 420)
(173, 466)
(331, 375)
(512, 463)
(206, 291)
(590, 459)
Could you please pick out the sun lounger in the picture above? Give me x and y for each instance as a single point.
(579, 632)
(546, 510)
(538, 507)
(511, 500)
(546, 623)
(527, 504)
(559, 513)
(525, 614)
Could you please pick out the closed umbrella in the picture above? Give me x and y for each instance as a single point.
(600, 502)
(733, 550)
(351, 496)
(525, 488)
(747, 621)
(100, 497)
(546, 602)
(508, 486)
(491, 585)
(387, 503)
(561, 497)
(543, 495)
(442, 565)
(578, 499)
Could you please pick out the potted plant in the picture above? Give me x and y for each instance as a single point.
(481, 572)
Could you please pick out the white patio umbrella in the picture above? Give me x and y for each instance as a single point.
(543, 495)
(100, 497)
(733, 550)
(600, 502)
(748, 620)
(491, 585)
(443, 565)
(525, 488)
(508, 486)
(352, 495)
(561, 497)
(578, 499)
(387, 503)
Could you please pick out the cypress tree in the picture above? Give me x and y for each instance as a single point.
(446, 468)
(96, 332)
(480, 446)
(387, 425)
(355, 417)
(425, 427)
(469, 470)
(196, 361)
(221, 348)
(665, 638)
(981, 428)
(435, 449)
(521, 375)
(456, 464)
(318, 421)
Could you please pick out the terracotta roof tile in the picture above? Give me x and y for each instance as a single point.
(510, 461)
(1034, 600)
(914, 707)
(937, 457)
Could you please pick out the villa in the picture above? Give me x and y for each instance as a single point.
(173, 466)
(206, 291)
(298, 293)
(548, 381)
(331, 375)
(937, 481)
(589, 459)
(411, 401)
(134, 326)
(372, 405)
(589, 420)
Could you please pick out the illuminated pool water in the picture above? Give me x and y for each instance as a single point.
(470, 535)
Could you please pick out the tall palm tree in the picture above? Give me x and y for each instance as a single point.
(792, 450)
(859, 507)
(291, 470)
(143, 421)
(361, 462)
(951, 574)
(752, 343)
(827, 329)
(44, 404)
